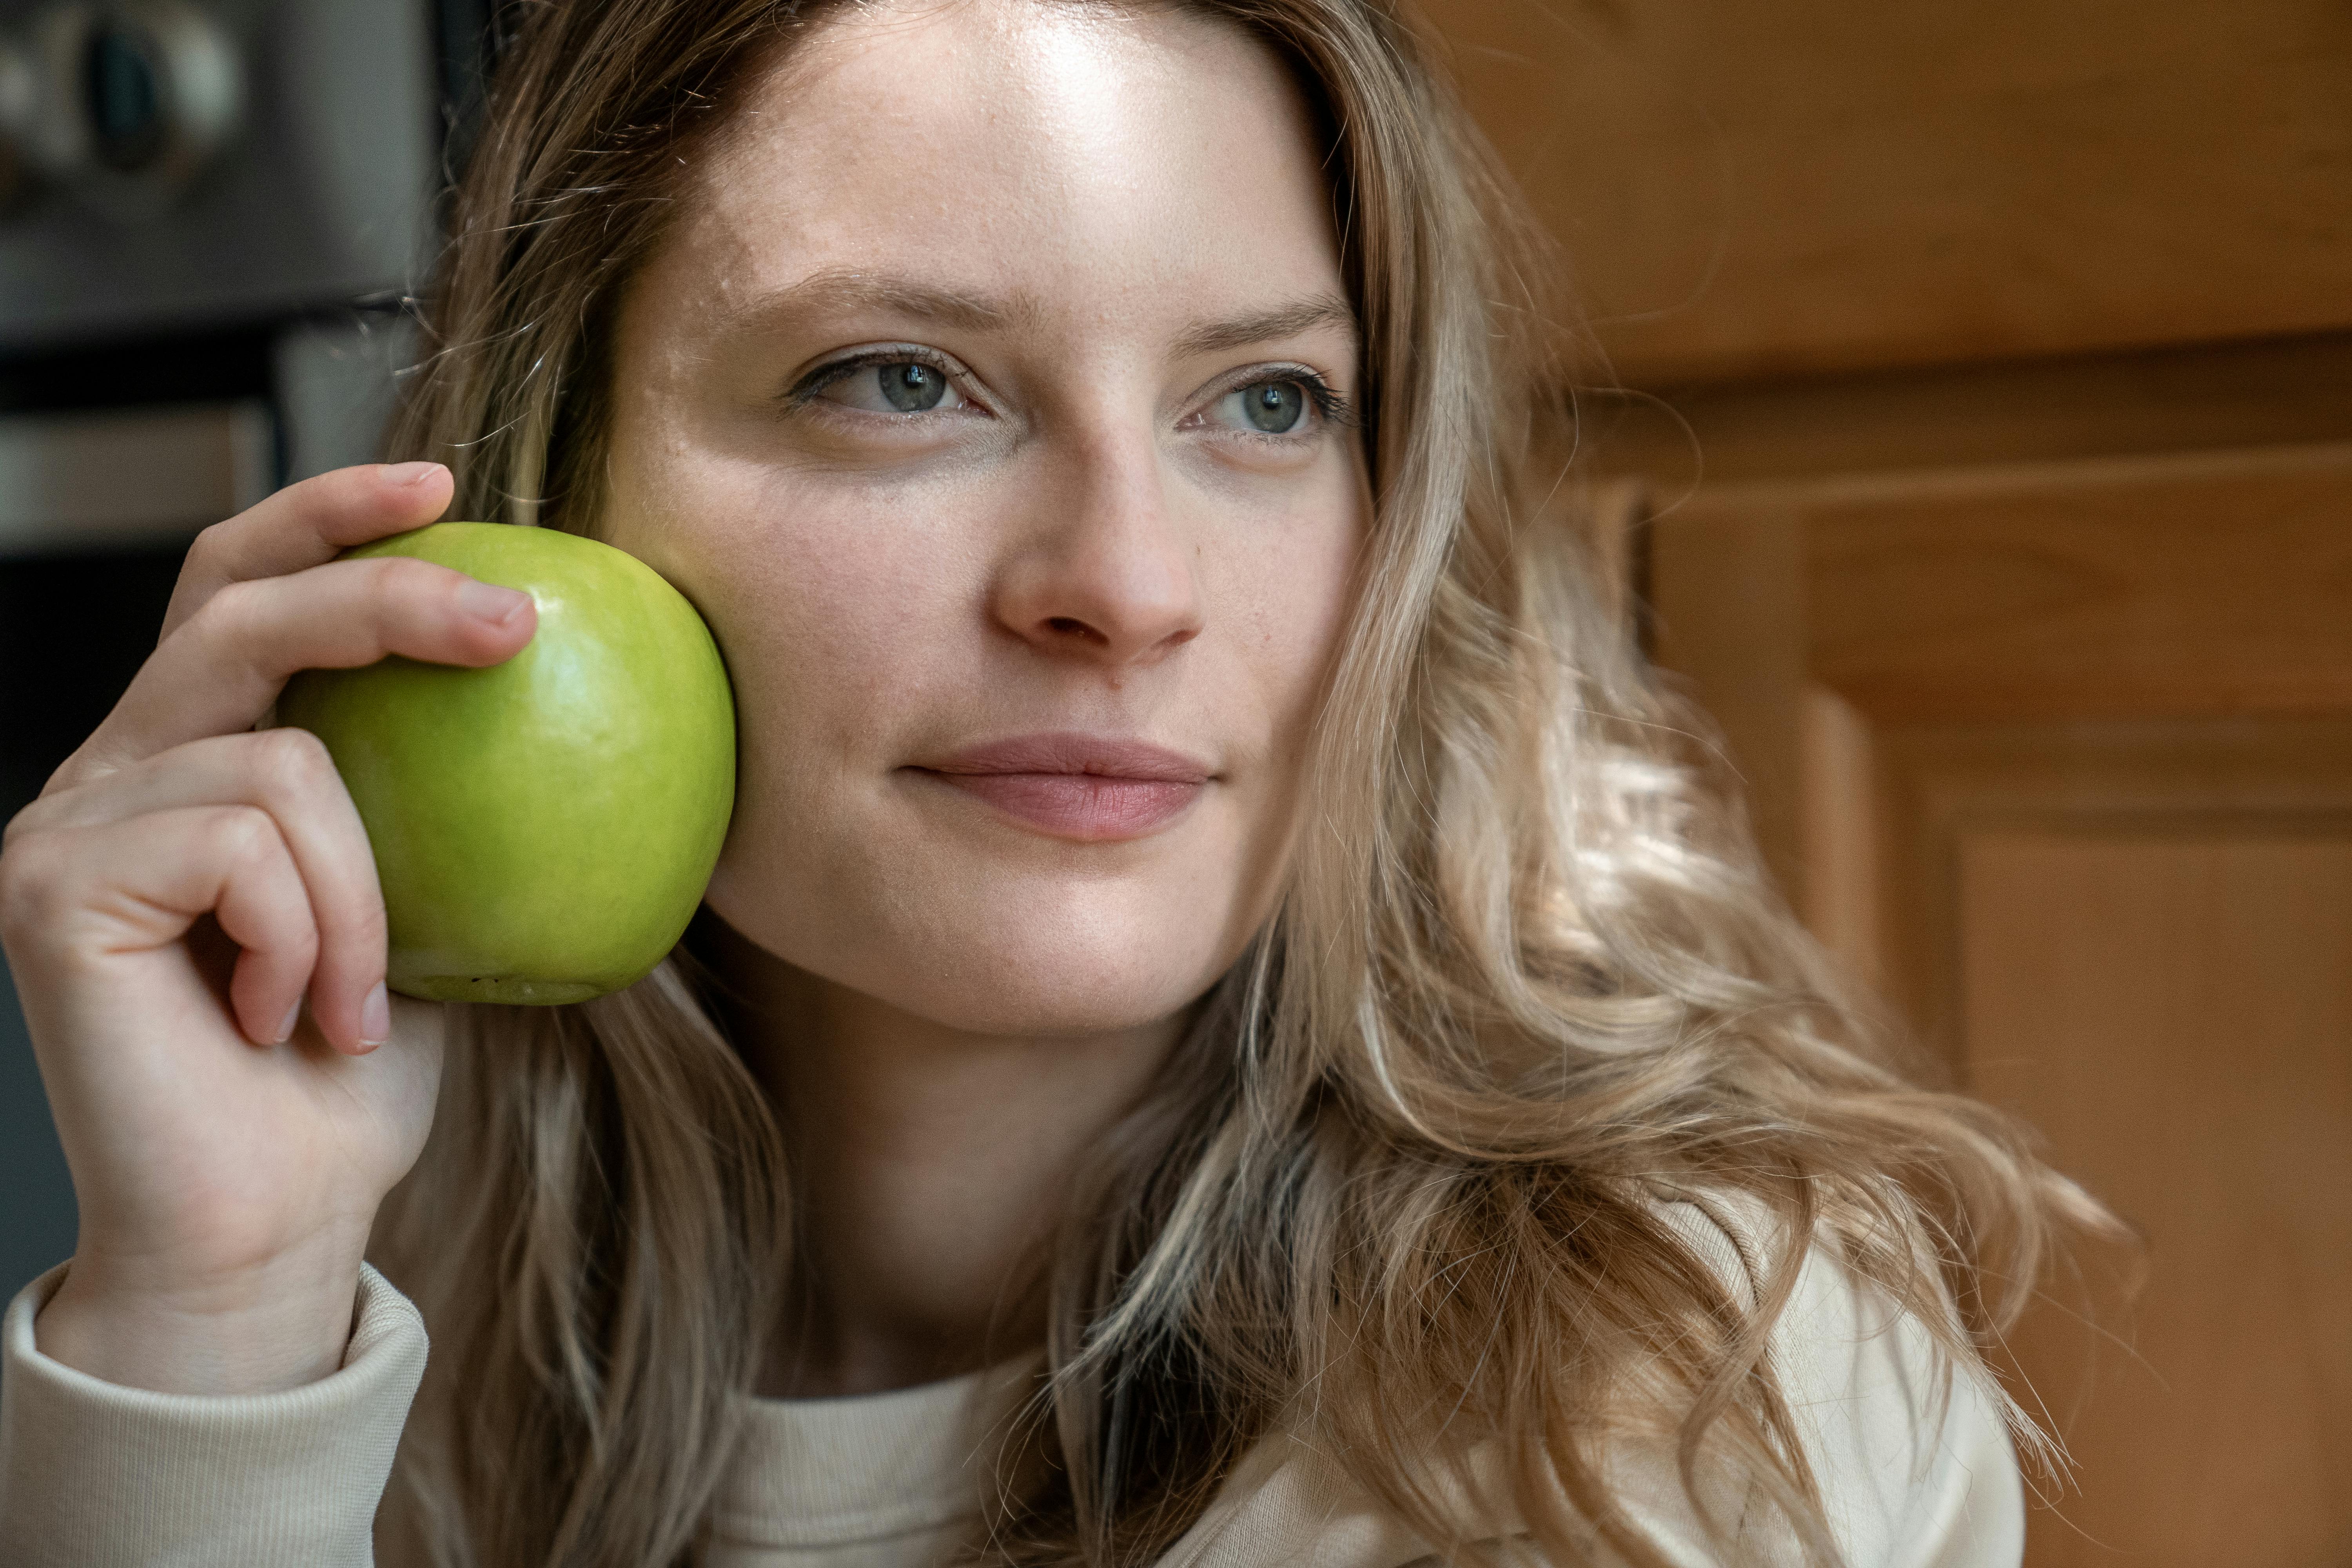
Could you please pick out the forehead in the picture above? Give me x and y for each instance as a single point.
(1071, 155)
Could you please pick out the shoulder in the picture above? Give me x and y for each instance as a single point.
(1909, 1446)
(1911, 1452)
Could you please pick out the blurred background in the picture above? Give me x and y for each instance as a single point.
(1980, 440)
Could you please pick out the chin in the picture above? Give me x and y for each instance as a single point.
(1038, 955)
(984, 996)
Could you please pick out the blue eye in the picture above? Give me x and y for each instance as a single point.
(891, 386)
(911, 388)
(1269, 407)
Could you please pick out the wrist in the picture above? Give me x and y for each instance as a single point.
(261, 1329)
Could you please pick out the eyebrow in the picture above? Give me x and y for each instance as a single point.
(843, 289)
(1269, 326)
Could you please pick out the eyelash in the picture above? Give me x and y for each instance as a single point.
(804, 391)
(1332, 406)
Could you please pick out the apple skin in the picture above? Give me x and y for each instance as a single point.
(544, 828)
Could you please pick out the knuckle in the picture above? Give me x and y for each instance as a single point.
(22, 824)
(207, 549)
(405, 577)
(230, 614)
(352, 486)
(245, 836)
(306, 500)
(42, 877)
(30, 883)
(290, 764)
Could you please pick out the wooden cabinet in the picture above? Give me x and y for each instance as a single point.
(1996, 426)
(2059, 755)
(1758, 190)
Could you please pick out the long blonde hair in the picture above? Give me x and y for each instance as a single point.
(1525, 980)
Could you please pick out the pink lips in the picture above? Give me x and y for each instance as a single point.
(1091, 788)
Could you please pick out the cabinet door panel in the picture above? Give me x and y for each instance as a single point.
(2173, 1006)
(2060, 756)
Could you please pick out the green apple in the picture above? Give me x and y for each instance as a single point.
(544, 828)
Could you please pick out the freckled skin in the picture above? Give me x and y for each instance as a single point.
(1077, 546)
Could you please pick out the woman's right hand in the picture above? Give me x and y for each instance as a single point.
(178, 890)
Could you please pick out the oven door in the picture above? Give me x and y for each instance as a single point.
(97, 509)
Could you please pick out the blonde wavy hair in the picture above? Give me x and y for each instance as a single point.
(1525, 980)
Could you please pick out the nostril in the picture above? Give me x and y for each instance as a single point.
(1070, 626)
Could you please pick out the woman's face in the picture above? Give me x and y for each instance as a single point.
(991, 399)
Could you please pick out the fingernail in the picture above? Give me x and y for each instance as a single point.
(375, 1018)
(293, 1017)
(409, 473)
(488, 602)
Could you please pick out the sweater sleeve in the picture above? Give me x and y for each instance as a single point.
(91, 1472)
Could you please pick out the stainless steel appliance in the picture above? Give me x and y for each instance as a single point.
(211, 213)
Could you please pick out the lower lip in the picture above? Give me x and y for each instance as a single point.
(1088, 808)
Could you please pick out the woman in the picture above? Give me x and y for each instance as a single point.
(1219, 1030)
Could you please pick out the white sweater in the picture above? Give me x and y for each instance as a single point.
(95, 1475)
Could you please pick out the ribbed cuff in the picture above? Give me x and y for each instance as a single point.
(94, 1473)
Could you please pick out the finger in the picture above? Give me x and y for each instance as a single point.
(308, 524)
(220, 672)
(265, 909)
(149, 878)
(289, 774)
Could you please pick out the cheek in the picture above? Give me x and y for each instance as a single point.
(828, 617)
(1288, 593)
(836, 627)
(833, 611)
(834, 615)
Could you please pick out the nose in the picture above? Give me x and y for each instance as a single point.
(1104, 575)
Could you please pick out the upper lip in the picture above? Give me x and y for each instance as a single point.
(1069, 751)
